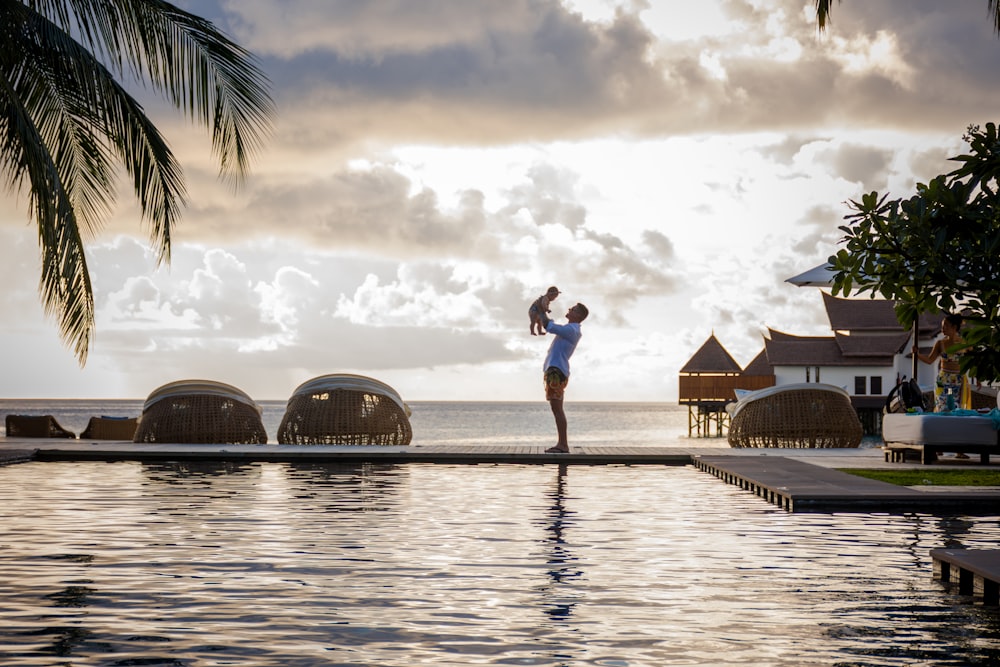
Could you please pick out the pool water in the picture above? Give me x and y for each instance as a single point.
(276, 564)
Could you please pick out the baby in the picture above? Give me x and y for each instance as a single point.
(540, 305)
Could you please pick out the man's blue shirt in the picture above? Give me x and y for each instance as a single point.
(562, 346)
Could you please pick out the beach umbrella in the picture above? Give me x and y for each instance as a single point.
(818, 276)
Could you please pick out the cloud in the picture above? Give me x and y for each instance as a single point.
(436, 165)
(226, 320)
(860, 164)
(539, 71)
(369, 31)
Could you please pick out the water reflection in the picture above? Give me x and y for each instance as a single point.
(362, 487)
(955, 528)
(279, 565)
(66, 640)
(181, 472)
(558, 595)
(72, 596)
(77, 595)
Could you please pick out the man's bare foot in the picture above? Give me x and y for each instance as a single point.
(557, 450)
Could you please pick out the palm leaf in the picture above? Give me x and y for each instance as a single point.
(202, 72)
(823, 14)
(66, 121)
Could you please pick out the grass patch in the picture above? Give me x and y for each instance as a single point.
(923, 477)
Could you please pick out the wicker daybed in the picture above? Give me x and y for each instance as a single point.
(35, 426)
(200, 412)
(806, 415)
(345, 409)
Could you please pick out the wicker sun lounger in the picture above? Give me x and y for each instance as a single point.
(35, 426)
(344, 409)
(110, 428)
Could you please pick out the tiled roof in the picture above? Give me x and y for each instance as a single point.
(871, 315)
(790, 351)
(860, 345)
(774, 334)
(711, 358)
(860, 314)
(759, 365)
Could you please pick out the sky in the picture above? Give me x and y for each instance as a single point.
(434, 166)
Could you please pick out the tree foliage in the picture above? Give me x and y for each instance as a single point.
(68, 122)
(937, 251)
(823, 13)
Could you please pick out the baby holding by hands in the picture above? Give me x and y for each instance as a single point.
(539, 306)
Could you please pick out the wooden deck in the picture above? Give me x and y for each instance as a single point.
(798, 486)
(973, 572)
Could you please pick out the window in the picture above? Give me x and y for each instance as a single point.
(876, 385)
(809, 372)
(859, 385)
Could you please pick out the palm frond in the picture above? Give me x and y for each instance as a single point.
(66, 120)
(822, 13)
(213, 80)
(65, 281)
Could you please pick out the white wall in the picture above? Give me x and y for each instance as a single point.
(926, 373)
(843, 376)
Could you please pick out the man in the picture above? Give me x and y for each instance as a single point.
(556, 367)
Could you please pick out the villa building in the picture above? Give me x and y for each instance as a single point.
(868, 353)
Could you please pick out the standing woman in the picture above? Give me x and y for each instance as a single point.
(950, 391)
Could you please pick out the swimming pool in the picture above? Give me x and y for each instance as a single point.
(278, 564)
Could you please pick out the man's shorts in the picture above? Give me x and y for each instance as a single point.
(555, 384)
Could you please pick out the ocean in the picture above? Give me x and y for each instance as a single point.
(449, 422)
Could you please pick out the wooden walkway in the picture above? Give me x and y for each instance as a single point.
(974, 572)
(798, 486)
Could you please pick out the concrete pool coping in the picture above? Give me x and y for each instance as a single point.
(795, 479)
